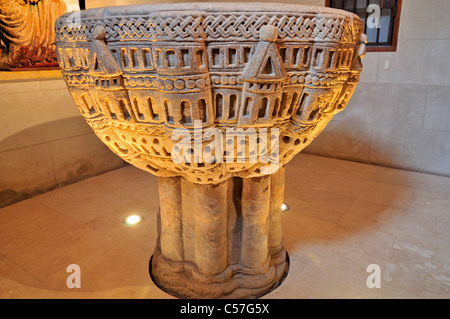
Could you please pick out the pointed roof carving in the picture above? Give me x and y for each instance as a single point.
(266, 63)
(102, 58)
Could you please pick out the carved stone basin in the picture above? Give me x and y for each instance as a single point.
(215, 99)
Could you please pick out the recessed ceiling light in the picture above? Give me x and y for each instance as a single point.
(132, 220)
(285, 207)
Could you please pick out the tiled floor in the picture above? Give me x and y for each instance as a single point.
(344, 216)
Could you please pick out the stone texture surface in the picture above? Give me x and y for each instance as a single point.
(278, 73)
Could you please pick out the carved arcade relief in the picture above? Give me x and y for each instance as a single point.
(146, 75)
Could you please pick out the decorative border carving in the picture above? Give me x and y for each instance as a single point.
(214, 27)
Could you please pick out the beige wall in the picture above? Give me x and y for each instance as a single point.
(44, 142)
(400, 117)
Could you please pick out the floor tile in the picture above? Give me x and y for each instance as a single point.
(343, 217)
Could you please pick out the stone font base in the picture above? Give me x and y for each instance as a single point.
(222, 240)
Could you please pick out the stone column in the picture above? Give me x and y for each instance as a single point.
(170, 232)
(276, 248)
(255, 211)
(220, 240)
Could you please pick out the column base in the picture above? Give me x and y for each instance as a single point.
(220, 240)
(182, 279)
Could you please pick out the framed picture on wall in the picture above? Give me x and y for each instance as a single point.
(27, 33)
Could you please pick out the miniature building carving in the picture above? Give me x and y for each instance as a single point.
(27, 36)
(141, 74)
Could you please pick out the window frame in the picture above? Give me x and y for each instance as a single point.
(395, 30)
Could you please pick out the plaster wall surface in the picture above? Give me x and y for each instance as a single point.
(44, 142)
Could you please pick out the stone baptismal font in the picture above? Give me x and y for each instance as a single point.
(214, 99)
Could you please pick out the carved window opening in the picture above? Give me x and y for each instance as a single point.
(165, 151)
(185, 58)
(134, 58)
(318, 58)
(200, 58)
(344, 58)
(232, 57)
(124, 56)
(158, 58)
(385, 36)
(108, 110)
(202, 110)
(185, 109)
(150, 105)
(233, 106)
(84, 57)
(219, 105)
(171, 59)
(263, 107)
(276, 106)
(156, 151)
(114, 53)
(350, 57)
(306, 53)
(296, 56)
(268, 68)
(96, 63)
(246, 54)
(137, 110)
(284, 55)
(124, 110)
(152, 169)
(342, 54)
(167, 110)
(70, 58)
(147, 58)
(330, 60)
(216, 57)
